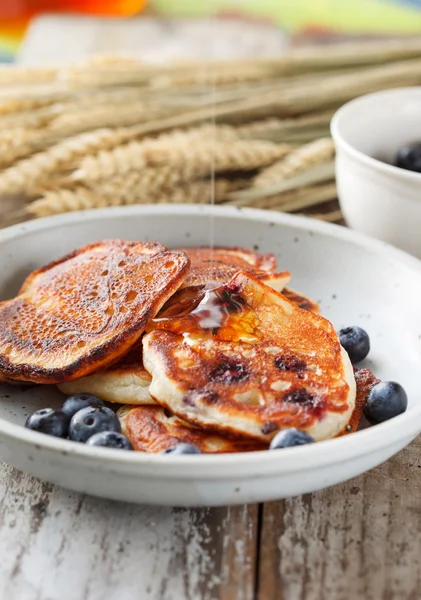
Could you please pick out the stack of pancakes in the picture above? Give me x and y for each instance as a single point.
(199, 345)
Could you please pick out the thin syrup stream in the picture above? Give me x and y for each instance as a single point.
(212, 165)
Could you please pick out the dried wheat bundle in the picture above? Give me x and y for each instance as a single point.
(316, 174)
(16, 143)
(191, 164)
(212, 75)
(28, 173)
(81, 198)
(71, 123)
(299, 198)
(12, 75)
(66, 200)
(134, 155)
(301, 159)
(332, 216)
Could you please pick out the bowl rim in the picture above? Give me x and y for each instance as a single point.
(370, 161)
(403, 427)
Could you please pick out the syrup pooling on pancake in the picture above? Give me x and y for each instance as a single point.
(245, 360)
(84, 311)
(212, 266)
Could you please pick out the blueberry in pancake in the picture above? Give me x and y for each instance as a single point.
(247, 361)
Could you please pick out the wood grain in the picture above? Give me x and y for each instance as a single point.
(357, 540)
(58, 545)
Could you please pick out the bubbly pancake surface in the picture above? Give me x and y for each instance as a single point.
(84, 311)
(248, 361)
(154, 429)
(213, 266)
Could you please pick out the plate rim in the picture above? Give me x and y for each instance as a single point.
(327, 452)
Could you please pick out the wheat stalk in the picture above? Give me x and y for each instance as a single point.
(183, 154)
(316, 174)
(12, 75)
(72, 123)
(212, 75)
(330, 217)
(65, 200)
(133, 155)
(299, 160)
(16, 143)
(28, 173)
(299, 198)
(81, 198)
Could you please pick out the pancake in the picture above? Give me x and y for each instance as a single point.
(364, 380)
(82, 312)
(125, 382)
(154, 429)
(213, 266)
(300, 300)
(247, 361)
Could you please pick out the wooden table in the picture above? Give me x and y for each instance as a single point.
(358, 540)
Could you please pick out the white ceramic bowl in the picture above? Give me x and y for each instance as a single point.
(358, 281)
(378, 198)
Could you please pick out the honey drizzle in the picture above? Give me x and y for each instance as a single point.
(220, 313)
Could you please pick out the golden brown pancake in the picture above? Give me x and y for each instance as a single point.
(154, 429)
(247, 361)
(213, 266)
(123, 382)
(127, 381)
(300, 300)
(365, 380)
(82, 312)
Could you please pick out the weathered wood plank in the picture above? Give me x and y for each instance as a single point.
(58, 545)
(361, 539)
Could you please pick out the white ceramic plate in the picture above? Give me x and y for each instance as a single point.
(358, 281)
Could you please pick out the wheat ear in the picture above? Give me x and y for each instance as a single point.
(81, 198)
(299, 160)
(194, 159)
(28, 173)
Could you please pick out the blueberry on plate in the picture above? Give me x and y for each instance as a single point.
(356, 342)
(182, 449)
(90, 420)
(409, 157)
(49, 421)
(110, 439)
(386, 400)
(290, 437)
(74, 403)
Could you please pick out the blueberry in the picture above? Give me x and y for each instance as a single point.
(90, 420)
(74, 403)
(386, 400)
(182, 449)
(50, 421)
(356, 342)
(409, 157)
(110, 439)
(290, 437)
